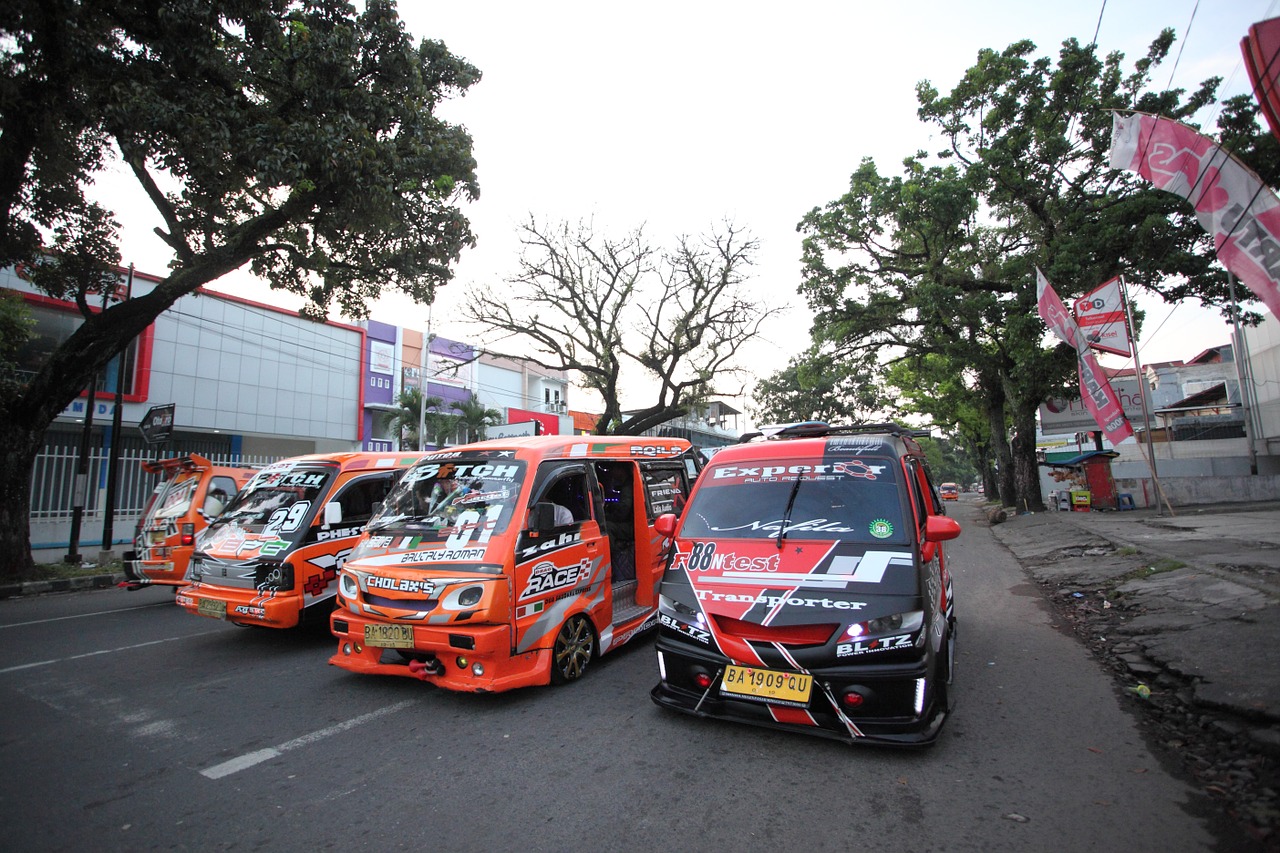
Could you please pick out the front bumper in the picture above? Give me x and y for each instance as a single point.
(140, 572)
(888, 717)
(242, 606)
(442, 655)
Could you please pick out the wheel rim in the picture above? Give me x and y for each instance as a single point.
(574, 647)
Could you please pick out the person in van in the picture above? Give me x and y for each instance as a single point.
(550, 560)
(215, 503)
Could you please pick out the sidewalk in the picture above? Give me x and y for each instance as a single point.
(1185, 608)
(98, 581)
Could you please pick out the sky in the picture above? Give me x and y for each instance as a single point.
(678, 116)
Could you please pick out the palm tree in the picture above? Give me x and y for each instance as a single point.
(474, 417)
(404, 422)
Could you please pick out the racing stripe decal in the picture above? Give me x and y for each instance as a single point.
(792, 716)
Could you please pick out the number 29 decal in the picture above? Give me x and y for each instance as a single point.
(287, 520)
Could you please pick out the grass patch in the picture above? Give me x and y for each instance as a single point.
(1160, 566)
(1127, 551)
(63, 571)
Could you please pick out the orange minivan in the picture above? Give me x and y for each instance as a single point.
(191, 492)
(273, 555)
(512, 562)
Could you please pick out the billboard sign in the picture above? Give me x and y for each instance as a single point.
(512, 430)
(1060, 415)
(157, 424)
(1100, 315)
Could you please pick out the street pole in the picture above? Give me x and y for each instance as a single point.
(80, 489)
(1142, 397)
(113, 455)
(1240, 350)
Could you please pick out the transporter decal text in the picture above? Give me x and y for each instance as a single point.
(782, 598)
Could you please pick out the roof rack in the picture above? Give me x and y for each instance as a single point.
(814, 429)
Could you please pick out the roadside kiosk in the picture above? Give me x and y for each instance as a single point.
(1087, 481)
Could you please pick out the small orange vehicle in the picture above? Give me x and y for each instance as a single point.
(949, 491)
(191, 492)
(273, 555)
(512, 562)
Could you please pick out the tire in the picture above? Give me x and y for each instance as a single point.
(574, 649)
(946, 669)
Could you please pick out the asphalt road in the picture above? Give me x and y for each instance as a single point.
(127, 724)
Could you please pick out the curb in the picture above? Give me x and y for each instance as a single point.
(104, 581)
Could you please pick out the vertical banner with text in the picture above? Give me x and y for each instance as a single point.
(1095, 391)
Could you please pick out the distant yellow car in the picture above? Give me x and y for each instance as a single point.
(949, 491)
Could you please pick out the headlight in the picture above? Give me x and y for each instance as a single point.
(273, 576)
(462, 597)
(681, 611)
(348, 586)
(898, 623)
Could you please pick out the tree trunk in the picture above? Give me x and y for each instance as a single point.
(1026, 468)
(21, 445)
(992, 403)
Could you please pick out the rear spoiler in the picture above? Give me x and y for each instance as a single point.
(174, 464)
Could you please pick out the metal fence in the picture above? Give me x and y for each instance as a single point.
(53, 481)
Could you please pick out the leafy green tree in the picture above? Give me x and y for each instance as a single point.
(15, 329)
(299, 138)
(808, 389)
(940, 262)
(929, 388)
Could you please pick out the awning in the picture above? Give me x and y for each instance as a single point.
(1072, 460)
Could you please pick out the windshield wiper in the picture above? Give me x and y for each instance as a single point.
(786, 514)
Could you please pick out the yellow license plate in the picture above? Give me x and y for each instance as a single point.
(767, 685)
(212, 607)
(389, 636)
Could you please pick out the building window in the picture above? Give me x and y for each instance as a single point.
(51, 328)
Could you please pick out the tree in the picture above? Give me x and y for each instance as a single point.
(809, 389)
(474, 417)
(297, 137)
(940, 262)
(617, 312)
(411, 413)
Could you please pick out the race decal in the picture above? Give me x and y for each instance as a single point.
(548, 577)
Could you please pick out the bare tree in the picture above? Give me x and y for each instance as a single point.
(618, 311)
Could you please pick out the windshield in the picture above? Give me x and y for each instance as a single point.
(278, 501)
(437, 498)
(853, 500)
(173, 498)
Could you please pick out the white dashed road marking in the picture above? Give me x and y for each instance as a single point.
(249, 759)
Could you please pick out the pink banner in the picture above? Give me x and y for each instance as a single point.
(1095, 391)
(1232, 204)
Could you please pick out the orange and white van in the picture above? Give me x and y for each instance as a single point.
(191, 492)
(272, 557)
(512, 562)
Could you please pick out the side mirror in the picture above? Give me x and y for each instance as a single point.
(542, 517)
(332, 514)
(940, 528)
(666, 524)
